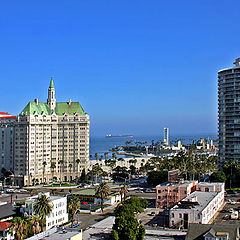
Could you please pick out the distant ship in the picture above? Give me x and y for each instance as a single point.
(118, 136)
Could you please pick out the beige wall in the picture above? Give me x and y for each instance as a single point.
(41, 138)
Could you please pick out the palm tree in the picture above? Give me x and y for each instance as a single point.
(73, 207)
(53, 191)
(19, 228)
(70, 167)
(42, 207)
(44, 169)
(78, 161)
(61, 162)
(70, 170)
(31, 191)
(105, 155)
(114, 155)
(102, 192)
(53, 166)
(35, 226)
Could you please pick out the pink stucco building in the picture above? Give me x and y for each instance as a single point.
(169, 194)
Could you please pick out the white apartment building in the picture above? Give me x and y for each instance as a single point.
(199, 207)
(51, 141)
(59, 213)
(6, 141)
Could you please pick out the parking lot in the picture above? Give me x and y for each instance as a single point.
(225, 214)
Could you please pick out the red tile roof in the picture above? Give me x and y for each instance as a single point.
(4, 225)
(6, 115)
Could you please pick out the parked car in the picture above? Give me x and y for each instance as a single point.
(10, 190)
(226, 217)
(149, 190)
(232, 201)
(23, 190)
(231, 210)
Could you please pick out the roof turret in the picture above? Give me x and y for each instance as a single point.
(51, 83)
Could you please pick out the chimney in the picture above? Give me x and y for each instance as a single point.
(36, 101)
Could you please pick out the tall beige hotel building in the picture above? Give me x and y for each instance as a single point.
(51, 141)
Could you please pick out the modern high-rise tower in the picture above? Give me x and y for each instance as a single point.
(229, 113)
(166, 136)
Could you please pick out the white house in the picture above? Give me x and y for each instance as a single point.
(59, 213)
(199, 206)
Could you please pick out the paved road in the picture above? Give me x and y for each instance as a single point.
(16, 197)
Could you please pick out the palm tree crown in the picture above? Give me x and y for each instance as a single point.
(102, 192)
(42, 207)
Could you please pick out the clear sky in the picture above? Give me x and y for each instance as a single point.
(135, 66)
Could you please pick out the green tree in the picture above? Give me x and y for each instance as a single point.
(114, 156)
(53, 166)
(19, 228)
(126, 225)
(123, 191)
(34, 223)
(73, 207)
(218, 177)
(157, 177)
(44, 169)
(114, 235)
(105, 155)
(102, 192)
(42, 207)
(70, 168)
(78, 162)
(83, 176)
(61, 162)
(96, 156)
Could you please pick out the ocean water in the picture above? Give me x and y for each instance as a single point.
(101, 145)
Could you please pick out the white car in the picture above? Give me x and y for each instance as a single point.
(10, 190)
(232, 201)
(23, 190)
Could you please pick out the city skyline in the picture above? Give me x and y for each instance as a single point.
(136, 67)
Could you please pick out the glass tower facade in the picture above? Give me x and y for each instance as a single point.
(229, 113)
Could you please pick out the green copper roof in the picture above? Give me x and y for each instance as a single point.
(71, 109)
(51, 83)
(61, 108)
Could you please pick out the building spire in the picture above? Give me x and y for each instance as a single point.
(51, 83)
(51, 101)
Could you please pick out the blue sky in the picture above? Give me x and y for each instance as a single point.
(135, 66)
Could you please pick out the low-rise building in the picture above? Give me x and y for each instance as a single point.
(4, 231)
(216, 231)
(7, 211)
(58, 234)
(7, 141)
(199, 207)
(59, 213)
(168, 194)
(210, 187)
(88, 195)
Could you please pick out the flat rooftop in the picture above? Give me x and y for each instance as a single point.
(202, 200)
(210, 183)
(51, 197)
(91, 192)
(177, 184)
(61, 235)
